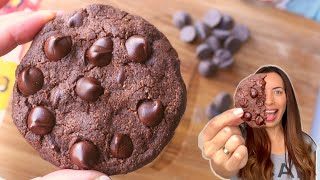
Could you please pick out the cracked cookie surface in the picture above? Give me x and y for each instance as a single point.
(99, 89)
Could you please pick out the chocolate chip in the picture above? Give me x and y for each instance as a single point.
(202, 30)
(247, 116)
(30, 81)
(253, 92)
(212, 111)
(89, 89)
(121, 76)
(181, 19)
(84, 154)
(206, 68)
(241, 32)
(76, 20)
(212, 18)
(188, 34)
(137, 48)
(57, 47)
(221, 34)
(151, 112)
(223, 58)
(223, 101)
(259, 120)
(226, 22)
(203, 51)
(232, 44)
(41, 120)
(213, 42)
(121, 146)
(100, 53)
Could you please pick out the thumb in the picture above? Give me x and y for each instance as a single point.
(67, 174)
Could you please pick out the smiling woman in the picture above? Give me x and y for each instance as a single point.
(277, 150)
(282, 150)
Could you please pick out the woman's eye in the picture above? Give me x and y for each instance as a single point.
(278, 92)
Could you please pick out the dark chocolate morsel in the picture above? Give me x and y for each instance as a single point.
(247, 116)
(188, 34)
(138, 48)
(241, 32)
(57, 47)
(223, 101)
(212, 18)
(202, 30)
(30, 81)
(213, 42)
(89, 89)
(253, 92)
(226, 22)
(76, 20)
(100, 53)
(223, 58)
(41, 120)
(232, 44)
(121, 146)
(221, 34)
(204, 51)
(206, 68)
(181, 19)
(84, 154)
(151, 112)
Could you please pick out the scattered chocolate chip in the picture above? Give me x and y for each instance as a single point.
(30, 81)
(76, 20)
(89, 89)
(232, 44)
(202, 30)
(188, 34)
(84, 154)
(41, 120)
(206, 68)
(203, 51)
(100, 53)
(221, 34)
(226, 22)
(213, 42)
(212, 111)
(212, 18)
(121, 146)
(181, 19)
(138, 48)
(151, 112)
(223, 58)
(57, 47)
(223, 101)
(241, 32)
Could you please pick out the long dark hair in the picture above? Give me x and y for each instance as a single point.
(259, 165)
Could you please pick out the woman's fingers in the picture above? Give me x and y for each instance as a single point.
(230, 117)
(238, 159)
(22, 29)
(221, 139)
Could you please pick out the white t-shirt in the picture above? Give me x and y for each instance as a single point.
(280, 169)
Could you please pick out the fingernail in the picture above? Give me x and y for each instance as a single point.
(59, 12)
(104, 177)
(238, 112)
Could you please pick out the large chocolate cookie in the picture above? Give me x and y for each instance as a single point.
(99, 89)
(250, 96)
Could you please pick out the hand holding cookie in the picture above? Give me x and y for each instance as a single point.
(221, 143)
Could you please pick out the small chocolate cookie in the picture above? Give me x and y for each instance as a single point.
(250, 96)
(99, 89)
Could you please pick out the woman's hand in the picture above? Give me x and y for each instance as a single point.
(221, 142)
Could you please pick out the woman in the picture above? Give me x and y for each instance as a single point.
(281, 150)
